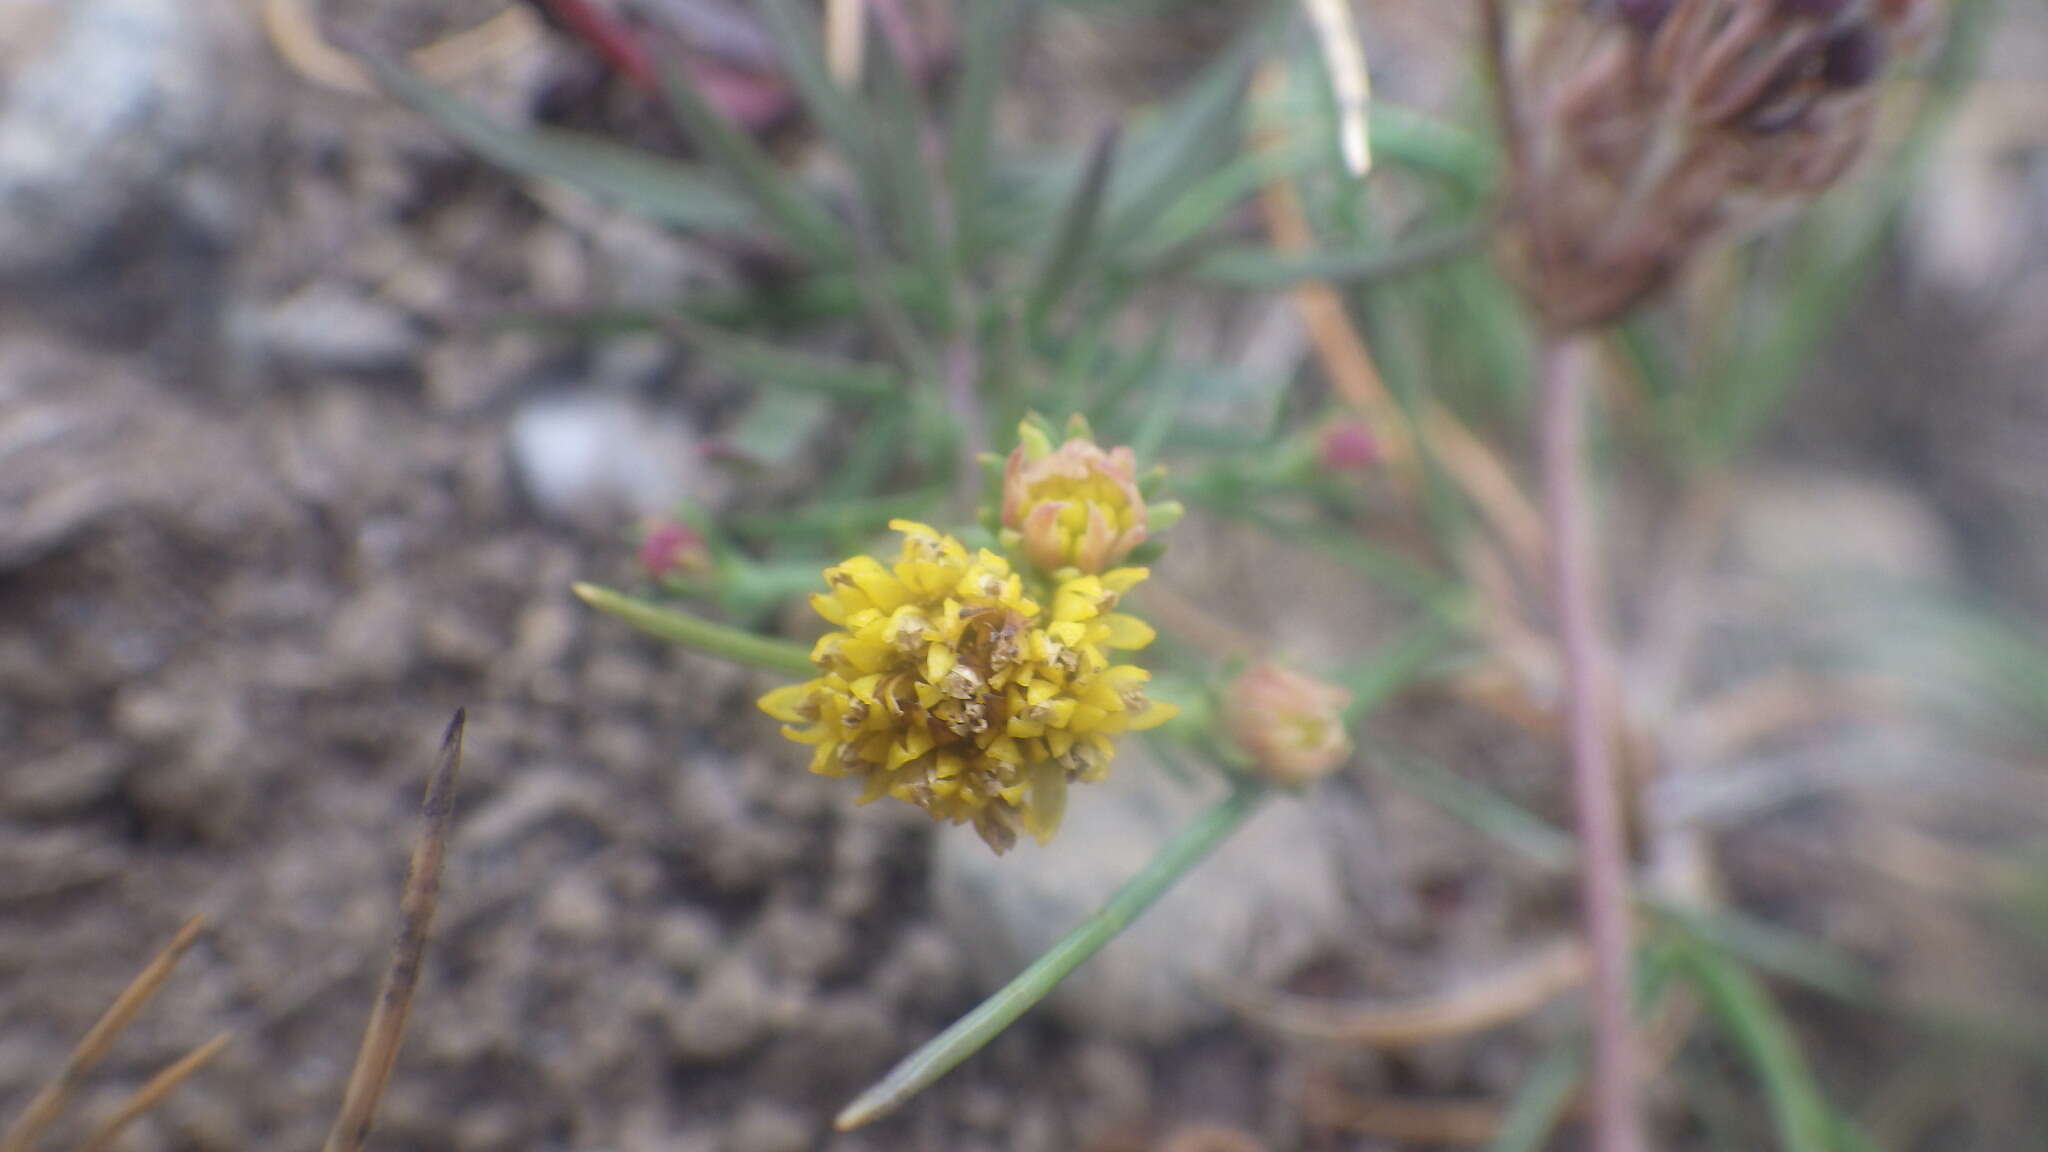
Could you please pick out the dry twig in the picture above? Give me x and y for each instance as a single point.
(151, 1094)
(386, 1029)
(50, 1101)
(1498, 998)
(1431, 1123)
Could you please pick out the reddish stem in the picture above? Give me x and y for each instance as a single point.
(610, 38)
(1603, 867)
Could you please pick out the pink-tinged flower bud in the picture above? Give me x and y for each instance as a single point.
(669, 548)
(1348, 446)
(1291, 725)
(1075, 506)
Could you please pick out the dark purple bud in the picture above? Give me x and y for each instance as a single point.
(1821, 10)
(1644, 16)
(1852, 57)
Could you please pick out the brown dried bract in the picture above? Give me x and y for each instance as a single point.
(1653, 127)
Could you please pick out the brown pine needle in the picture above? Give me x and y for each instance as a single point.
(151, 1094)
(50, 1101)
(294, 34)
(379, 1051)
(1433, 1123)
(1498, 998)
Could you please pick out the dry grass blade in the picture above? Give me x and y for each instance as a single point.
(151, 1094)
(1428, 1123)
(98, 1039)
(379, 1051)
(1502, 996)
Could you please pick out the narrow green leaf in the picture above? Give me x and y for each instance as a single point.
(660, 189)
(1395, 666)
(1207, 201)
(991, 39)
(695, 632)
(778, 426)
(1262, 268)
(1069, 249)
(1799, 1115)
(1482, 808)
(1408, 138)
(900, 142)
(793, 27)
(971, 1032)
(1126, 375)
(785, 367)
(1190, 137)
(858, 516)
(1540, 1102)
(803, 221)
(1778, 951)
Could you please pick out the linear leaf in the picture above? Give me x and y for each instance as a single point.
(803, 221)
(1070, 244)
(992, 29)
(660, 189)
(1252, 267)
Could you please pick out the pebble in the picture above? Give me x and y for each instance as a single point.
(799, 944)
(769, 1126)
(597, 457)
(576, 908)
(727, 1014)
(330, 327)
(108, 103)
(61, 784)
(685, 941)
(921, 972)
(849, 1036)
(1116, 1093)
(374, 638)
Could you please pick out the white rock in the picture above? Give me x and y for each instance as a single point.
(1248, 916)
(594, 457)
(329, 326)
(113, 98)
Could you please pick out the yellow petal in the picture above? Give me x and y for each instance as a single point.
(1046, 803)
(1125, 631)
(1155, 713)
(784, 703)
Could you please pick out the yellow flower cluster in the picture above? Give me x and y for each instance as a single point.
(946, 686)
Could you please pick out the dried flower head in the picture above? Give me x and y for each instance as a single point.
(1660, 124)
(1290, 724)
(1075, 506)
(946, 686)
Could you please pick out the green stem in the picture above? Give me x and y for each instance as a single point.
(714, 639)
(968, 1034)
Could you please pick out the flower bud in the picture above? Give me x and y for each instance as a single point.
(1348, 446)
(669, 548)
(1075, 506)
(1291, 725)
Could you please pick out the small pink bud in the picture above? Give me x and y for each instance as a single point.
(1291, 725)
(1348, 446)
(1075, 506)
(670, 548)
